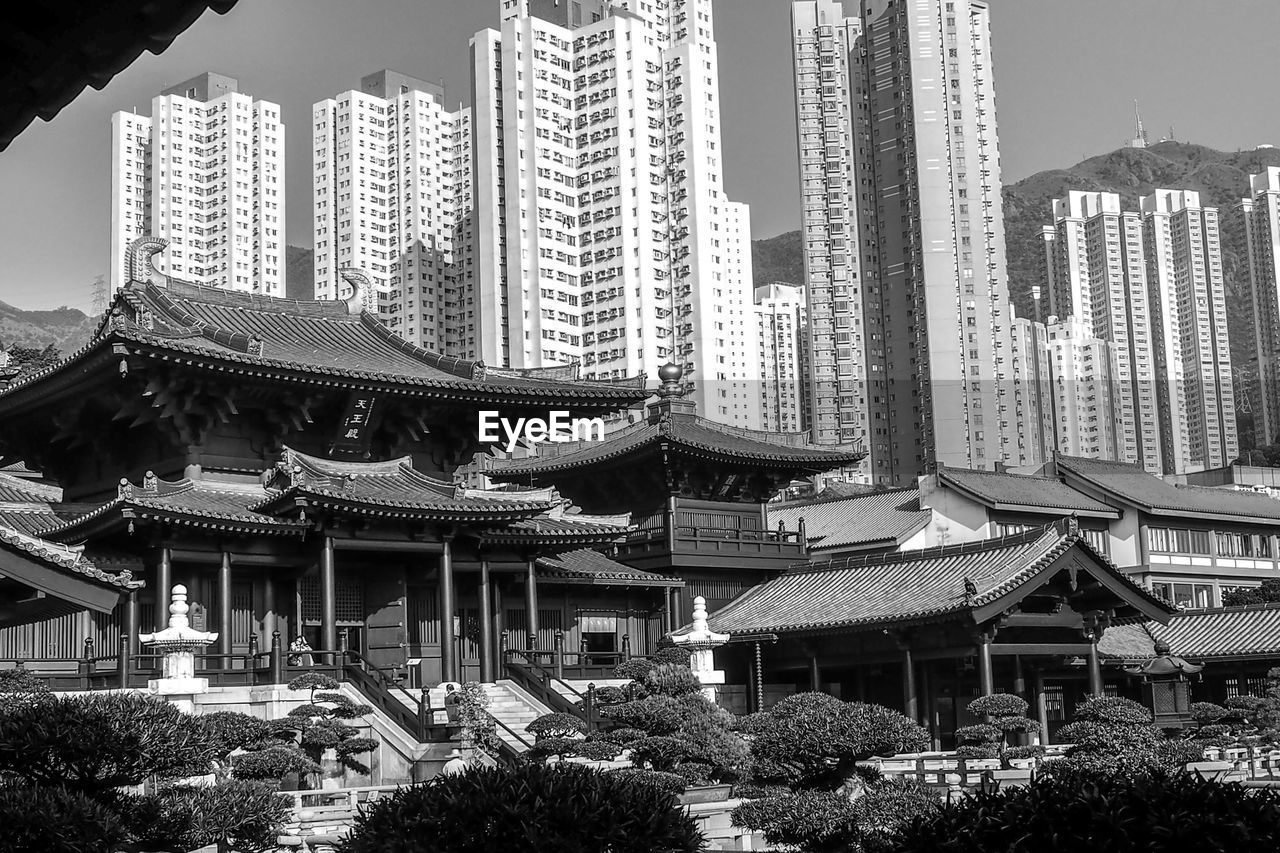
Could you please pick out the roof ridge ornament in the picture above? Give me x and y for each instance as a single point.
(124, 491)
(140, 260)
(670, 375)
(361, 289)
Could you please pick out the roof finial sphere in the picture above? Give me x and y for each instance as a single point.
(670, 372)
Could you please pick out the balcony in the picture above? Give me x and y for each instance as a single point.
(697, 534)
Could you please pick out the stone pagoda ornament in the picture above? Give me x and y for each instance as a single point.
(179, 643)
(700, 641)
(1166, 686)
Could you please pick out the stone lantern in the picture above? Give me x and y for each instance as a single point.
(700, 641)
(1166, 686)
(179, 643)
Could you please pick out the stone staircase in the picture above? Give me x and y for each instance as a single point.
(515, 709)
(580, 685)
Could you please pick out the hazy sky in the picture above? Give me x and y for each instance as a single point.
(1066, 77)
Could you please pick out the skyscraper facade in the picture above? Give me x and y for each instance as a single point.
(900, 185)
(390, 198)
(205, 171)
(1261, 222)
(603, 234)
(1195, 389)
(1097, 272)
(781, 340)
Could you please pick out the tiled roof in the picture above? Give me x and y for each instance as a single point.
(592, 566)
(1127, 641)
(393, 488)
(316, 341)
(562, 528)
(1011, 491)
(54, 55)
(906, 586)
(212, 506)
(32, 521)
(1131, 484)
(1222, 632)
(63, 557)
(866, 519)
(689, 433)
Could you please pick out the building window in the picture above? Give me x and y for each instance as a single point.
(1172, 540)
(1244, 545)
(1188, 595)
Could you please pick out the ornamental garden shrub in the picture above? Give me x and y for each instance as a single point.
(71, 754)
(1008, 716)
(1111, 734)
(810, 743)
(561, 736)
(319, 724)
(237, 815)
(1077, 810)
(538, 808)
(57, 820)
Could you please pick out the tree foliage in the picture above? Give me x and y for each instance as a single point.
(1007, 715)
(20, 686)
(319, 724)
(236, 814)
(53, 819)
(100, 742)
(565, 808)
(1268, 592)
(813, 739)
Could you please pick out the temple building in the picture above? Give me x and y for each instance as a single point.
(297, 467)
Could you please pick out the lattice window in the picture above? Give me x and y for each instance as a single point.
(349, 602)
(424, 620)
(1055, 702)
(241, 614)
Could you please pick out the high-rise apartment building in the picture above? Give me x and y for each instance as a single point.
(781, 340)
(391, 197)
(204, 171)
(603, 234)
(1097, 272)
(904, 242)
(1261, 221)
(1149, 282)
(1064, 390)
(1195, 388)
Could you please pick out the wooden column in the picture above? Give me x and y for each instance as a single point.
(1095, 666)
(132, 621)
(986, 681)
(910, 702)
(667, 616)
(499, 631)
(224, 609)
(164, 588)
(1042, 707)
(815, 673)
(328, 597)
(531, 602)
(270, 620)
(927, 711)
(448, 606)
(484, 602)
(677, 608)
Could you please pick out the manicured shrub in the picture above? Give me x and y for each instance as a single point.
(319, 723)
(610, 695)
(100, 742)
(708, 742)
(670, 783)
(816, 821)
(671, 654)
(597, 750)
(1007, 716)
(670, 679)
(652, 714)
(52, 819)
(1069, 811)
(20, 686)
(556, 725)
(1206, 713)
(273, 763)
(694, 773)
(553, 747)
(813, 739)
(564, 808)
(635, 669)
(889, 805)
(660, 752)
(1112, 710)
(233, 730)
(622, 736)
(237, 814)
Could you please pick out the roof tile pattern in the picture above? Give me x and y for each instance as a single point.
(918, 585)
(1131, 484)
(1002, 490)
(316, 339)
(866, 519)
(1222, 632)
(688, 433)
(592, 565)
(62, 557)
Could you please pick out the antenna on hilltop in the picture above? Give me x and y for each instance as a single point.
(1140, 136)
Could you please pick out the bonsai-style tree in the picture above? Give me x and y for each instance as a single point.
(1007, 715)
(1111, 734)
(556, 734)
(811, 742)
(567, 808)
(319, 724)
(95, 744)
(1261, 713)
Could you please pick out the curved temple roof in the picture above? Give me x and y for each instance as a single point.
(316, 342)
